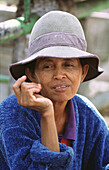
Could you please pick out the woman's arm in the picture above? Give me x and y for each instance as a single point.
(27, 96)
(49, 136)
(20, 140)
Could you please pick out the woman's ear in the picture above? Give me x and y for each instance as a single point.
(85, 69)
(30, 75)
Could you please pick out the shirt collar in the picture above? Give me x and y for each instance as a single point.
(70, 130)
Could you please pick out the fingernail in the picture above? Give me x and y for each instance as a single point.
(39, 85)
(24, 76)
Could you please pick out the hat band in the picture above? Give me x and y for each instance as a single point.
(57, 39)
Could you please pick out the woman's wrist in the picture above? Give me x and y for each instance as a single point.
(48, 113)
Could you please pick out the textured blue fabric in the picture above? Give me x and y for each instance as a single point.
(21, 148)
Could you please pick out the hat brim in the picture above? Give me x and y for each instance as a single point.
(18, 69)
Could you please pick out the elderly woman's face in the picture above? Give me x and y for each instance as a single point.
(59, 78)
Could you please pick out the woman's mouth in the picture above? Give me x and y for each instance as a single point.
(61, 88)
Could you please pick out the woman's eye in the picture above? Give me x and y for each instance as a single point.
(68, 65)
(47, 67)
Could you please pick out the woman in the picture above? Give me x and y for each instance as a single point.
(45, 125)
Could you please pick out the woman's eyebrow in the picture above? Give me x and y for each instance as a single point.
(45, 60)
(70, 59)
(42, 60)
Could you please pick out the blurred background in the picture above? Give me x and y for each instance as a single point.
(17, 18)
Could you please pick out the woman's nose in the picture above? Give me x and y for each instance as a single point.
(59, 74)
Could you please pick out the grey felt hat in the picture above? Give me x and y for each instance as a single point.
(57, 34)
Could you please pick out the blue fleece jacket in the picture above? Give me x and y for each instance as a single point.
(21, 148)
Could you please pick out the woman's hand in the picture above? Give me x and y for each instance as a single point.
(27, 96)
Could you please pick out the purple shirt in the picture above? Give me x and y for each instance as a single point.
(70, 130)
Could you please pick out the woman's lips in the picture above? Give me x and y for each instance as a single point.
(60, 87)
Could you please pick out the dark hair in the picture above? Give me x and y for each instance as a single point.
(31, 67)
(83, 61)
(93, 65)
(92, 62)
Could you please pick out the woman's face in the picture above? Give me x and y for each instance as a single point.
(59, 78)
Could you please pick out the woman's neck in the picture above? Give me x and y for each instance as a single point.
(60, 113)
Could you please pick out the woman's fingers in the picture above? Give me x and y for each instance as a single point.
(17, 86)
(25, 91)
(18, 83)
(27, 95)
(31, 85)
(42, 103)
